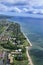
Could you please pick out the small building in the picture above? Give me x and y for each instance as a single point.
(19, 57)
(4, 38)
(19, 50)
(18, 42)
(16, 52)
(13, 39)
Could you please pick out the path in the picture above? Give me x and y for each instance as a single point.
(29, 58)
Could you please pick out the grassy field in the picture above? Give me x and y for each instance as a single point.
(22, 62)
(26, 43)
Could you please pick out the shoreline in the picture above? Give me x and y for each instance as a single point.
(27, 53)
(29, 58)
(27, 39)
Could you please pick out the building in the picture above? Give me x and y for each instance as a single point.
(4, 38)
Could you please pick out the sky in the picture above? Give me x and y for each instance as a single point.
(21, 6)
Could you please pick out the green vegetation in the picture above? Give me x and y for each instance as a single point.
(13, 39)
(26, 43)
(2, 28)
(20, 62)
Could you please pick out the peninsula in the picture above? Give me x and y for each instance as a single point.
(14, 44)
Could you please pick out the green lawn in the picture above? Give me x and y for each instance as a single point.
(2, 29)
(26, 43)
(24, 62)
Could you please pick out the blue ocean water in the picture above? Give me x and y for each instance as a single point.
(33, 28)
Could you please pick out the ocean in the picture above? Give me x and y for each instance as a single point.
(33, 28)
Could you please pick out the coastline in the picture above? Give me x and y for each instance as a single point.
(27, 39)
(27, 48)
(29, 58)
